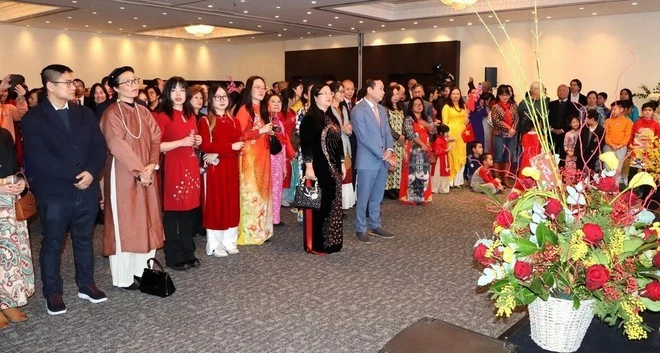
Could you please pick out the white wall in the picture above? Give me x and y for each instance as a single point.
(27, 50)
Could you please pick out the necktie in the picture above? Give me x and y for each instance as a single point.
(376, 113)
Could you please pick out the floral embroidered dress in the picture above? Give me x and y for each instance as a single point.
(570, 139)
(395, 118)
(416, 167)
(277, 165)
(181, 184)
(256, 225)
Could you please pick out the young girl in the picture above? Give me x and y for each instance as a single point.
(569, 142)
(482, 180)
(441, 147)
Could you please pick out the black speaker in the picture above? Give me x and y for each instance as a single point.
(435, 336)
(491, 76)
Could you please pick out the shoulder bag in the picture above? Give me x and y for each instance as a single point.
(156, 281)
(26, 206)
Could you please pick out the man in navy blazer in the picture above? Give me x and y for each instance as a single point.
(64, 154)
(374, 155)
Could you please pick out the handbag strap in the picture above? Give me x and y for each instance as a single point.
(27, 184)
(155, 262)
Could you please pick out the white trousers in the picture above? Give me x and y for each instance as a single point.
(123, 265)
(221, 239)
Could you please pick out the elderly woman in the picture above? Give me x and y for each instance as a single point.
(16, 270)
(133, 226)
(323, 157)
(10, 113)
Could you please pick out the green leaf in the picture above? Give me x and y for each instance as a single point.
(497, 286)
(548, 279)
(651, 305)
(526, 247)
(632, 244)
(525, 296)
(547, 234)
(599, 257)
(576, 303)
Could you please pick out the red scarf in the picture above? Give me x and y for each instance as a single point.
(508, 119)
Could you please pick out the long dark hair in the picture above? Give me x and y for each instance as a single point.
(287, 94)
(209, 104)
(315, 92)
(166, 103)
(410, 107)
(247, 97)
(334, 87)
(461, 102)
(92, 92)
(387, 99)
(263, 107)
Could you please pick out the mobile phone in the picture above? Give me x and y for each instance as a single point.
(11, 179)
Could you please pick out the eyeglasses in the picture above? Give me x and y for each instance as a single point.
(259, 88)
(220, 98)
(68, 83)
(130, 82)
(331, 94)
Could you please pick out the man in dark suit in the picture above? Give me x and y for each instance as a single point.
(590, 143)
(374, 155)
(409, 94)
(80, 97)
(577, 97)
(559, 114)
(64, 154)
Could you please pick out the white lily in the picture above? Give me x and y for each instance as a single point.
(575, 195)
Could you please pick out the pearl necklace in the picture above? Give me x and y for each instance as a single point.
(124, 121)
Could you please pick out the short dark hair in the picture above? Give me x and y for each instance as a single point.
(474, 145)
(79, 80)
(650, 104)
(593, 114)
(579, 83)
(371, 83)
(52, 73)
(484, 156)
(603, 94)
(625, 103)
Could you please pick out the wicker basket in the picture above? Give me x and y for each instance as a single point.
(556, 326)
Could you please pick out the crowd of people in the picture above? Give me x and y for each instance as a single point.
(170, 160)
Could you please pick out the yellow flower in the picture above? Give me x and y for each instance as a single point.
(507, 254)
(610, 160)
(532, 173)
(615, 244)
(632, 322)
(506, 301)
(656, 227)
(578, 248)
(492, 247)
(642, 178)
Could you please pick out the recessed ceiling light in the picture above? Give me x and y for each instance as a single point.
(135, 18)
(122, 8)
(361, 21)
(199, 18)
(313, 2)
(382, 25)
(245, 11)
(336, 17)
(69, 17)
(352, 28)
(252, 37)
(66, 29)
(86, 26)
(308, 33)
(164, 13)
(581, 8)
(451, 20)
(27, 25)
(210, 6)
(109, 22)
(435, 26)
(549, 17)
(284, 29)
(490, 16)
(415, 22)
(469, 23)
(279, 34)
(507, 21)
(242, 0)
(634, 4)
(329, 35)
(74, 1)
(121, 29)
(277, 16)
(302, 37)
(533, 12)
(99, 32)
(144, 26)
(47, 21)
(403, 29)
(373, 31)
(329, 24)
(594, 13)
(229, 40)
(309, 12)
(231, 22)
(259, 26)
(277, 7)
(93, 12)
(305, 21)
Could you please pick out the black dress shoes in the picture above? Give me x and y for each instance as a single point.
(181, 266)
(195, 262)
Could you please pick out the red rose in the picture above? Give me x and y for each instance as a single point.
(656, 260)
(607, 184)
(592, 233)
(596, 276)
(504, 219)
(553, 208)
(522, 270)
(652, 291)
(479, 255)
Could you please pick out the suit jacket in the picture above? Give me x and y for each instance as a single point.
(588, 146)
(55, 154)
(582, 99)
(372, 140)
(559, 119)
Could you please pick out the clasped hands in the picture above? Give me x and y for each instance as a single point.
(145, 176)
(12, 189)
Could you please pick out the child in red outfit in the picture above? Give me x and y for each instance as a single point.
(441, 147)
(482, 180)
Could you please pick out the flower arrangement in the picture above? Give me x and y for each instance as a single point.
(576, 242)
(647, 93)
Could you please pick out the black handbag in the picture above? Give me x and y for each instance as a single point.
(275, 145)
(156, 281)
(307, 196)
